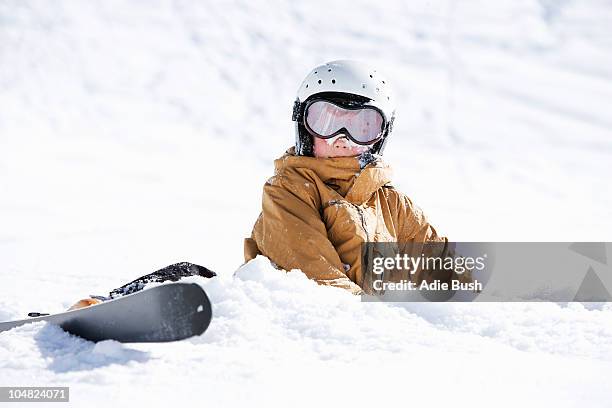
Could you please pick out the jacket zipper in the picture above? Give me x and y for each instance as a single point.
(366, 259)
(363, 223)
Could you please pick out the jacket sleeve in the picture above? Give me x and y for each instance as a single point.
(417, 237)
(413, 225)
(291, 234)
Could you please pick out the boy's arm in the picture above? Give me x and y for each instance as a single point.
(291, 234)
(415, 231)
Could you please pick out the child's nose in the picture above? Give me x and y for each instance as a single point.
(342, 141)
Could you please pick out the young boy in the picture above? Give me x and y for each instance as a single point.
(331, 193)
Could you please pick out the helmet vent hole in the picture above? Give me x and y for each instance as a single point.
(383, 82)
(363, 86)
(371, 76)
(315, 72)
(319, 81)
(306, 85)
(329, 70)
(333, 81)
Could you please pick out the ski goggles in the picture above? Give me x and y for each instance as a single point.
(363, 125)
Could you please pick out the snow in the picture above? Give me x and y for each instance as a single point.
(279, 335)
(137, 135)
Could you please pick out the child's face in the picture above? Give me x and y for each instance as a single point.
(339, 146)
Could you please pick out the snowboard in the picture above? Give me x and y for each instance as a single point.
(168, 312)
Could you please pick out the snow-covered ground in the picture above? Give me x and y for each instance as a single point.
(138, 134)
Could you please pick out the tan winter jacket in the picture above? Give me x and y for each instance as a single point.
(317, 212)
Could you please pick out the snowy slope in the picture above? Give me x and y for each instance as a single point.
(137, 134)
(279, 339)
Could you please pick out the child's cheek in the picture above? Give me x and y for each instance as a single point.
(358, 149)
(321, 148)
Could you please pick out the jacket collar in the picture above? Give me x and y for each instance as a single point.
(355, 184)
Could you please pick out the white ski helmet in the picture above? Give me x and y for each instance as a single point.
(350, 83)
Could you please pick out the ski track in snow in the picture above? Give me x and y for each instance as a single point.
(134, 136)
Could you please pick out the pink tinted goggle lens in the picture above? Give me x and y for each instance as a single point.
(364, 125)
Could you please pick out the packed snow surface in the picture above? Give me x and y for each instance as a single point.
(138, 134)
